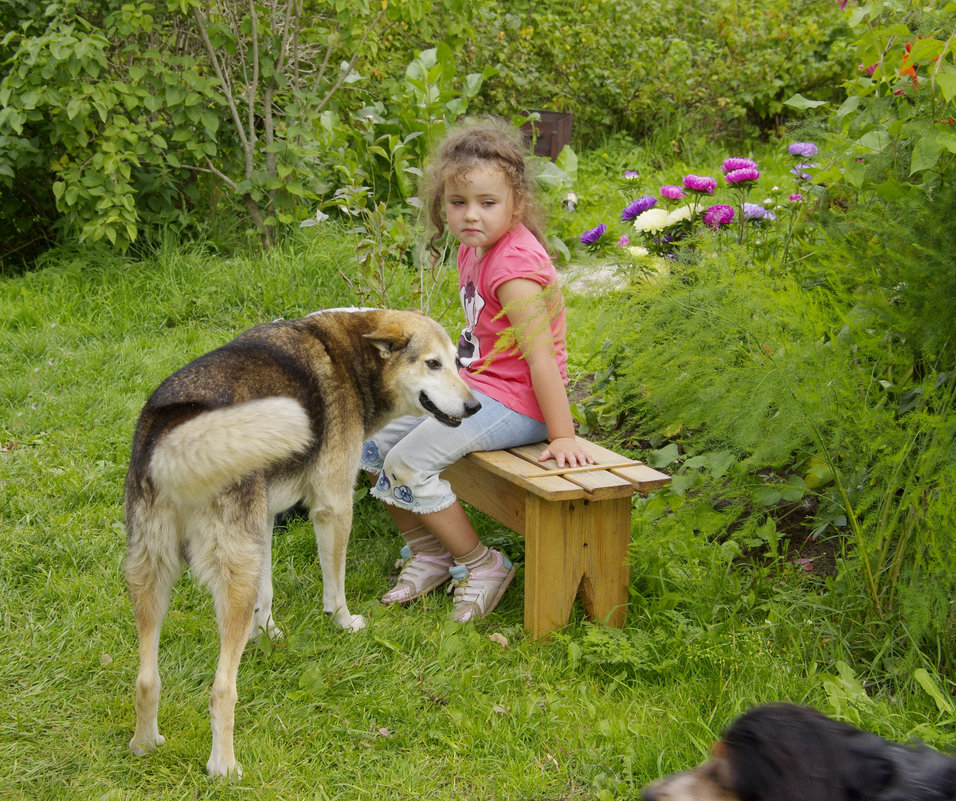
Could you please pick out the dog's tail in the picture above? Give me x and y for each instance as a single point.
(199, 458)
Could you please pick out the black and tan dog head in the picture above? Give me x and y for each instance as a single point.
(420, 371)
(784, 752)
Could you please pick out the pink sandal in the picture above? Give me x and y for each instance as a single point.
(477, 592)
(421, 573)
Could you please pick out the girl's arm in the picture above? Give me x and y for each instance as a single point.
(524, 303)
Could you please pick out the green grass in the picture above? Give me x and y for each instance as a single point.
(411, 707)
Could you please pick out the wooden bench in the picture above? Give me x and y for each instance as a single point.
(576, 522)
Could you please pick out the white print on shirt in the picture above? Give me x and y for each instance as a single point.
(469, 348)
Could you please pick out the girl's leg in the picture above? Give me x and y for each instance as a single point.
(417, 497)
(482, 574)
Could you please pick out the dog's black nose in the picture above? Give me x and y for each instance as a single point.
(471, 407)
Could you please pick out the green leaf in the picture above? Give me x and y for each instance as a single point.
(946, 80)
(664, 456)
(798, 101)
(943, 704)
(926, 153)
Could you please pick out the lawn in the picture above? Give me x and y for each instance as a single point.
(413, 706)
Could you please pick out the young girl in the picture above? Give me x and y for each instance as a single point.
(511, 353)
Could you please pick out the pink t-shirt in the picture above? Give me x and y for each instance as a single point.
(489, 359)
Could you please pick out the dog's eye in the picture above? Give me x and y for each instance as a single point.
(433, 364)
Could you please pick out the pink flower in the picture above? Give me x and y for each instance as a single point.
(700, 183)
(672, 192)
(742, 175)
(732, 164)
(795, 198)
(623, 242)
(718, 215)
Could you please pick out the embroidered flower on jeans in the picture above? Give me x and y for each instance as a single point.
(370, 454)
(403, 494)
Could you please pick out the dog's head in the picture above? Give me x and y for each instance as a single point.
(784, 752)
(420, 371)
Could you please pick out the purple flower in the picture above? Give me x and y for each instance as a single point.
(699, 183)
(732, 164)
(718, 215)
(672, 192)
(638, 206)
(593, 235)
(631, 175)
(743, 175)
(755, 212)
(798, 170)
(805, 149)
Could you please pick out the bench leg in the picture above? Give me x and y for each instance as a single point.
(607, 537)
(572, 547)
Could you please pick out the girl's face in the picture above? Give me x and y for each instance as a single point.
(480, 207)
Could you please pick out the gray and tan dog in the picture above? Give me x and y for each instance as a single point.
(275, 417)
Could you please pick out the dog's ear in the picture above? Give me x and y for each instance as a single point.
(388, 339)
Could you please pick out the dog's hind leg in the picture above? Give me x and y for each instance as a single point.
(152, 566)
(235, 598)
(228, 560)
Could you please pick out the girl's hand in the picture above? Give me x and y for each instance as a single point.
(566, 452)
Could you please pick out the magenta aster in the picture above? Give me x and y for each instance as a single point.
(732, 164)
(743, 175)
(639, 206)
(672, 192)
(718, 215)
(700, 183)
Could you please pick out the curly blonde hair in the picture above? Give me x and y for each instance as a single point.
(466, 145)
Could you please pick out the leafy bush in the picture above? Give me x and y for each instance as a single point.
(638, 68)
(241, 110)
(820, 355)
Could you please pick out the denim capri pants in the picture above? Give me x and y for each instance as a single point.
(409, 453)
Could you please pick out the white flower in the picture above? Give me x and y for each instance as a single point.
(637, 251)
(679, 215)
(652, 221)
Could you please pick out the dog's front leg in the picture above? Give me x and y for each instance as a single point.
(332, 529)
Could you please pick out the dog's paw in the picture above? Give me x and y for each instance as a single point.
(269, 628)
(221, 768)
(348, 621)
(144, 745)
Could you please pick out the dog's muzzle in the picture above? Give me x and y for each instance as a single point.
(428, 405)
